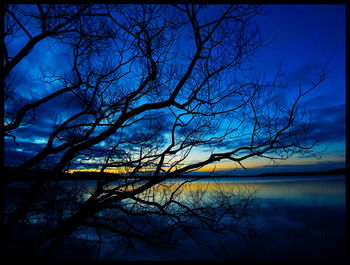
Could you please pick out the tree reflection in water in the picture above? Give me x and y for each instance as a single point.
(167, 216)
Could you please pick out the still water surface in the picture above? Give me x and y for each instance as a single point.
(298, 218)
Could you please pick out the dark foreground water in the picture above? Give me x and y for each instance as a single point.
(297, 218)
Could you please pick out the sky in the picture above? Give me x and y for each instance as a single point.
(302, 37)
(305, 37)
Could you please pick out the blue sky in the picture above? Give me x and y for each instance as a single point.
(302, 37)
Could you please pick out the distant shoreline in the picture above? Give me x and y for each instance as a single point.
(279, 174)
(13, 174)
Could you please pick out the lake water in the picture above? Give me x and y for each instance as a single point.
(298, 218)
(295, 218)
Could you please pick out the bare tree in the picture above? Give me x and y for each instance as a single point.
(145, 87)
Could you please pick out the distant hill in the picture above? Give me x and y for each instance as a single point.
(341, 171)
(14, 174)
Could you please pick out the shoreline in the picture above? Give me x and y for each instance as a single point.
(17, 175)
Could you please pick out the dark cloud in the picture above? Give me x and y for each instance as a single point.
(15, 155)
(234, 143)
(328, 124)
(335, 112)
(327, 132)
(322, 100)
(304, 74)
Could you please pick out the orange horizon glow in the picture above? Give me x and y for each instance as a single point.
(222, 166)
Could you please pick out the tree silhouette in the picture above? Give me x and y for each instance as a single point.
(145, 86)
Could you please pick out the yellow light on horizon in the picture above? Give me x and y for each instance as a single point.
(252, 163)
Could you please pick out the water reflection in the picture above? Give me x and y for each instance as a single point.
(302, 219)
(287, 218)
(299, 218)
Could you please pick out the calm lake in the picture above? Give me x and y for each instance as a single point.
(295, 218)
(298, 218)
